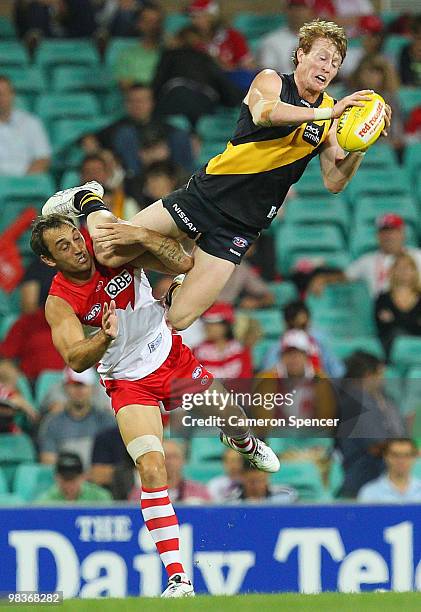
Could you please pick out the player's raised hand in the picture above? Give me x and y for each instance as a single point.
(355, 99)
(110, 320)
(110, 235)
(387, 119)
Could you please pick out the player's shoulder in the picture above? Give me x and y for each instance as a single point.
(57, 307)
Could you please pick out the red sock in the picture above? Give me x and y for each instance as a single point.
(161, 520)
(244, 444)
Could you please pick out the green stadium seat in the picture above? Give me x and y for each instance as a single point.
(7, 28)
(259, 351)
(44, 382)
(380, 183)
(380, 157)
(393, 45)
(283, 292)
(368, 208)
(3, 483)
(336, 475)
(417, 468)
(284, 445)
(306, 241)
(26, 189)
(73, 52)
(15, 449)
(218, 128)
(269, 319)
(54, 106)
(31, 480)
(6, 322)
(179, 121)
(311, 186)
(66, 132)
(69, 179)
(10, 499)
(344, 347)
(409, 98)
(175, 21)
(12, 53)
(326, 211)
(23, 103)
(412, 161)
(81, 78)
(115, 47)
(206, 449)
(203, 473)
(209, 150)
(304, 476)
(113, 103)
(364, 239)
(254, 25)
(406, 352)
(28, 80)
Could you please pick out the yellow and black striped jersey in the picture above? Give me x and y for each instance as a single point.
(250, 179)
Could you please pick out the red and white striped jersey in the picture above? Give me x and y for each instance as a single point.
(144, 339)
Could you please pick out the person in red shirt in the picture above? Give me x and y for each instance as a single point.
(221, 353)
(29, 341)
(226, 45)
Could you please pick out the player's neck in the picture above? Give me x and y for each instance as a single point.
(303, 92)
(80, 278)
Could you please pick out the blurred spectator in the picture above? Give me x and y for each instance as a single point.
(29, 342)
(12, 403)
(36, 19)
(139, 63)
(348, 13)
(103, 168)
(35, 286)
(413, 126)
(119, 17)
(257, 489)
(396, 484)
(398, 311)
(24, 145)
(112, 467)
(246, 287)
(226, 45)
(374, 268)
(159, 179)
(410, 58)
(368, 418)
(226, 487)
(71, 485)
(220, 352)
(126, 136)
(294, 375)
(189, 82)
(277, 48)
(297, 316)
(377, 73)
(179, 488)
(75, 428)
(372, 35)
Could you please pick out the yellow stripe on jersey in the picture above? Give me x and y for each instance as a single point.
(266, 155)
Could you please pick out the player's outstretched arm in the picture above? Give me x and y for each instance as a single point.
(78, 352)
(162, 253)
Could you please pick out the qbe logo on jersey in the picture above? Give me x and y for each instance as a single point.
(118, 284)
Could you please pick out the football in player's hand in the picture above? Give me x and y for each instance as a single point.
(359, 127)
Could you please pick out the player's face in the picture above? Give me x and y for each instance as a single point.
(68, 250)
(319, 66)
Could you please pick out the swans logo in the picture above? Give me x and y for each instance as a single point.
(239, 242)
(196, 372)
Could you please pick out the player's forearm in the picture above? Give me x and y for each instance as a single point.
(276, 113)
(342, 171)
(86, 353)
(167, 250)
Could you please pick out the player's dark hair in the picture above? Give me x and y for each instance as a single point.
(40, 225)
(292, 309)
(399, 441)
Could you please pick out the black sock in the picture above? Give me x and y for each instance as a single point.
(88, 202)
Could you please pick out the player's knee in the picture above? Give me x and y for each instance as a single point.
(148, 455)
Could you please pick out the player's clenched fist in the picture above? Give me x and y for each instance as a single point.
(109, 320)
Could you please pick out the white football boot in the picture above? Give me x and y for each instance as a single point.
(62, 202)
(179, 586)
(262, 457)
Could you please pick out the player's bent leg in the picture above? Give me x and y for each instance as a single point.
(157, 218)
(199, 290)
(141, 430)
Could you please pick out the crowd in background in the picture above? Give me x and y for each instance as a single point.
(142, 155)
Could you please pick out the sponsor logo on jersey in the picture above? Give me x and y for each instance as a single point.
(239, 242)
(196, 372)
(185, 219)
(118, 284)
(99, 285)
(272, 212)
(204, 380)
(155, 343)
(93, 313)
(235, 252)
(313, 133)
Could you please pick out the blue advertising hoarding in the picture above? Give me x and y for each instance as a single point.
(90, 552)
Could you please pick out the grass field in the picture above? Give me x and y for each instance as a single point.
(326, 602)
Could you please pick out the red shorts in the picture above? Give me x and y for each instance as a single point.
(180, 373)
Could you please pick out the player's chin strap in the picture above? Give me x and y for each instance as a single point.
(144, 444)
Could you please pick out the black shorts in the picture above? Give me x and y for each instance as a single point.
(214, 233)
